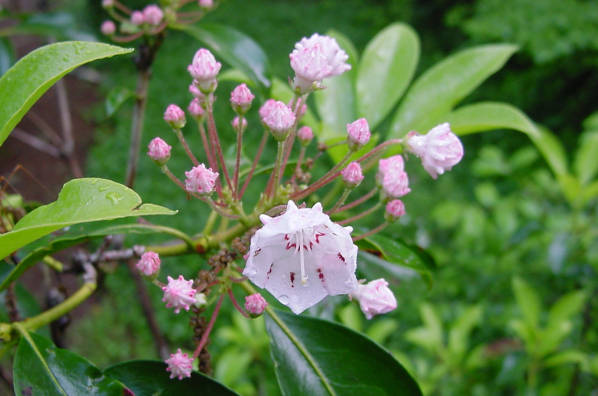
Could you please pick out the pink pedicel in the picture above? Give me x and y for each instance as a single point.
(305, 135)
(195, 108)
(200, 179)
(255, 304)
(149, 263)
(241, 98)
(175, 116)
(394, 210)
(352, 174)
(358, 133)
(179, 294)
(137, 18)
(439, 150)
(159, 150)
(277, 117)
(153, 15)
(108, 28)
(179, 364)
(375, 298)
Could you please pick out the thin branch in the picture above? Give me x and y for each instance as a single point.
(137, 125)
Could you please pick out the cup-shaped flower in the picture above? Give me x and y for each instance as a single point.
(394, 210)
(204, 68)
(255, 304)
(137, 18)
(196, 109)
(301, 256)
(440, 149)
(149, 263)
(278, 118)
(305, 135)
(179, 364)
(241, 98)
(179, 294)
(159, 151)
(352, 174)
(108, 28)
(175, 116)
(316, 58)
(200, 179)
(153, 15)
(375, 298)
(358, 133)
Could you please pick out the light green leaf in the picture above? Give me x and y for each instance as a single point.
(585, 162)
(386, 69)
(461, 329)
(566, 357)
(444, 85)
(566, 307)
(23, 84)
(528, 302)
(116, 98)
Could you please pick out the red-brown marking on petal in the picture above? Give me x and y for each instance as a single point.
(292, 279)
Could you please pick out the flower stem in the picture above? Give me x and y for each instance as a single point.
(358, 201)
(275, 180)
(260, 150)
(322, 181)
(341, 200)
(236, 304)
(204, 337)
(179, 134)
(238, 159)
(137, 125)
(216, 142)
(360, 215)
(370, 232)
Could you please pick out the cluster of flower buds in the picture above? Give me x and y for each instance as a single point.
(299, 254)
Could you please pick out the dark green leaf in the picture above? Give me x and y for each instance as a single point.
(146, 378)
(7, 55)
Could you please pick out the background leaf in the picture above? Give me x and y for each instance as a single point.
(585, 163)
(7, 55)
(116, 98)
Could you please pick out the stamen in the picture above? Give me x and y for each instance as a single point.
(300, 247)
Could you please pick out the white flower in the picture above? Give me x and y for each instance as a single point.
(301, 257)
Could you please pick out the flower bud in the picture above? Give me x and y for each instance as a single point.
(107, 3)
(179, 294)
(207, 4)
(352, 175)
(440, 149)
(358, 133)
(175, 116)
(137, 18)
(194, 90)
(241, 98)
(305, 135)
(200, 300)
(179, 364)
(200, 179)
(375, 298)
(255, 304)
(149, 263)
(235, 123)
(195, 109)
(394, 210)
(395, 184)
(204, 68)
(153, 15)
(278, 118)
(108, 28)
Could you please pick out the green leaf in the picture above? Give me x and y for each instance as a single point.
(23, 84)
(147, 378)
(566, 357)
(430, 335)
(585, 163)
(386, 69)
(40, 368)
(236, 48)
(444, 85)
(79, 201)
(566, 307)
(528, 302)
(116, 98)
(461, 329)
(7, 55)
(317, 357)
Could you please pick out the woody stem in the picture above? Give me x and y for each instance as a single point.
(206, 333)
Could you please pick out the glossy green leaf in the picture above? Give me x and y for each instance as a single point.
(317, 357)
(116, 98)
(585, 163)
(444, 85)
(23, 84)
(79, 201)
(40, 368)
(528, 302)
(148, 378)
(235, 48)
(7, 55)
(386, 69)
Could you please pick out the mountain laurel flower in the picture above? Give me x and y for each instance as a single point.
(200, 179)
(316, 58)
(278, 118)
(358, 133)
(375, 298)
(137, 18)
(241, 98)
(149, 263)
(235, 123)
(195, 108)
(175, 116)
(440, 149)
(390, 164)
(305, 135)
(159, 151)
(179, 294)
(204, 68)
(153, 15)
(255, 304)
(194, 90)
(395, 184)
(352, 174)
(179, 364)
(207, 4)
(394, 210)
(108, 28)
(301, 256)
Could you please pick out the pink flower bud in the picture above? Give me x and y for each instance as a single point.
(394, 164)
(440, 149)
(159, 151)
(204, 69)
(137, 18)
(195, 108)
(375, 298)
(394, 210)
(207, 4)
(149, 263)
(255, 304)
(358, 133)
(235, 123)
(352, 174)
(278, 118)
(108, 28)
(395, 184)
(241, 98)
(107, 3)
(305, 135)
(179, 364)
(194, 90)
(179, 294)
(175, 116)
(200, 179)
(153, 15)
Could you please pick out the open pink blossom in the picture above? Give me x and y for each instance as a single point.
(195, 108)
(179, 294)
(153, 15)
(277, 117)
(352, 174)
(149, 263)
(301, 256)
(305, 135)
(179, 364)
(204, 69)
(175, 116)
(255, 304)
(375, 298)
(137, 18)
(159, 150)
(241, 98)
(108, 28)
(358, 133)
(394, 210)
(200, 179)
(316, 58)
(440, 149)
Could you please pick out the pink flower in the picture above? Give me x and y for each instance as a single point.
(159, 151)
(394, 210)
(352, 174)
(235, 123)
(385, 165)
(175, 116)
(179, 364)
(137, 18)
(301, 256)
(195, 108)
(200, 179)
(149, 263)
(277, 117)
(358, 133)
(255, 304)
(440, 149)
(194, 90)
(204, 69)
(316, 58)
(107, 3)
(108, 28)
(206, 3)
(395, 184)
(305, 135)
(179, 293)
(153, 15)
(375, 298)
(241, 98)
